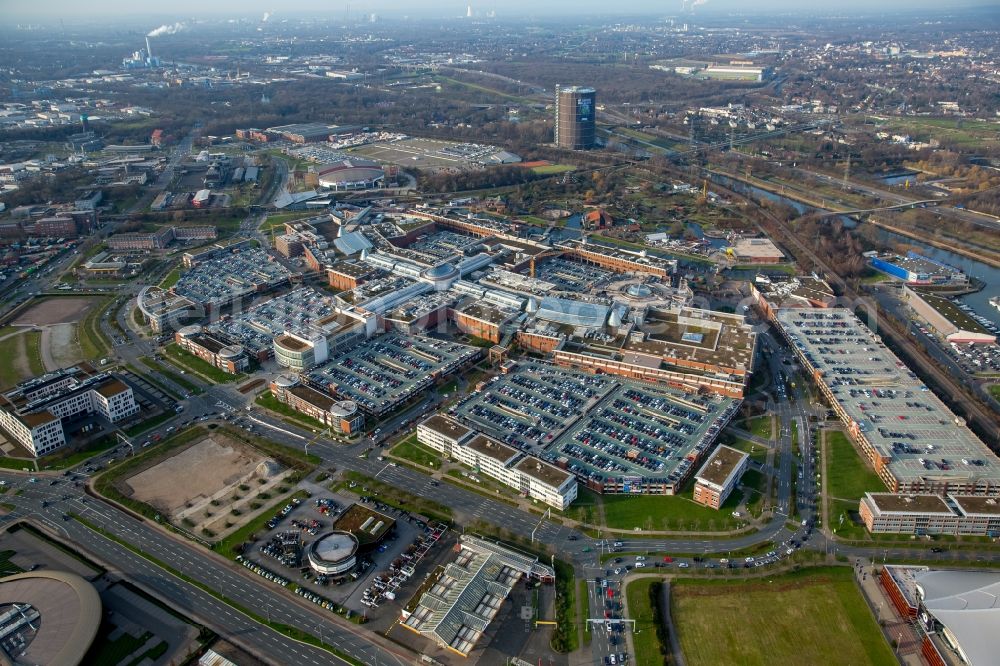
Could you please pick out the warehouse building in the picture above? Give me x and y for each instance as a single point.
(954, 612)
(720, 474)
(916, 269)
(466, 595)
(33, 412)
(913, 441)
(757, 251)
(947, 318)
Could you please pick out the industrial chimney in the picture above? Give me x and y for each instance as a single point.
(149, 50)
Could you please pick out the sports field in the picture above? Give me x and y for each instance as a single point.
(815, 616)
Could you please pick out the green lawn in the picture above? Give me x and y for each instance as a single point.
(566, 636)
(11, 349)
(33, 351)
(551, 169)
(814, 616)
(92, 341)
(17, 463)
(196, 365)
(654, 512)
(649, 638)
(268, 401)
(757, 451)
(995, 391)
(759, 425)
(848, 476)
(143, 426)
(412, 450)
(171, 279)
(756, 483)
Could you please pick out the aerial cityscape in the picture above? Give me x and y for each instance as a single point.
(521, 334)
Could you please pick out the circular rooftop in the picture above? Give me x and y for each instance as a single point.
(333, 553)
(56, 614)
(231, 351)
(188, 331)
(285, 381)
(344, 408)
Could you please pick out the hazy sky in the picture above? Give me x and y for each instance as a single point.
(53, 9)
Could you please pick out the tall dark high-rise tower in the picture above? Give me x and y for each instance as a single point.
(576, 109)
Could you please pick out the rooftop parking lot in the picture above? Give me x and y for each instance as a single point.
(529, 407)
(442, 244)
(656, 435)
(902, 420)
(607, 429)
(571, 275)
(382, 373)
(232, 275)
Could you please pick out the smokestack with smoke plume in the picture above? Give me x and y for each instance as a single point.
(166, 30)
(267, 15)
(149, 49)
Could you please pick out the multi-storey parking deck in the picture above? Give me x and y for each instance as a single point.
(915, 443)
(642, 439)
(440, 245)
(615, 435)
(572, 276)
(382, 373)
(531, 406)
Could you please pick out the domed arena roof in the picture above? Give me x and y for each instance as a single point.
(440, 271)
(639, 291)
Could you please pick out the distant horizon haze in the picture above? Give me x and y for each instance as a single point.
(55, 10)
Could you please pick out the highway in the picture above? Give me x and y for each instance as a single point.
(47, 505)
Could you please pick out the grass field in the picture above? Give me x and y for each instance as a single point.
(551, 169)
(995, 391)
(759, 425)
(757, 451)
(649, 638)
(653, 512)
(848, 476)
(172, 376)
(171, 278)
(814, 616)
(966, 132)
(20, 358)
(92, 341)
(412, 450)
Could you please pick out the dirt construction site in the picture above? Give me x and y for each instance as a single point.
(211, 487)
(58, 319)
